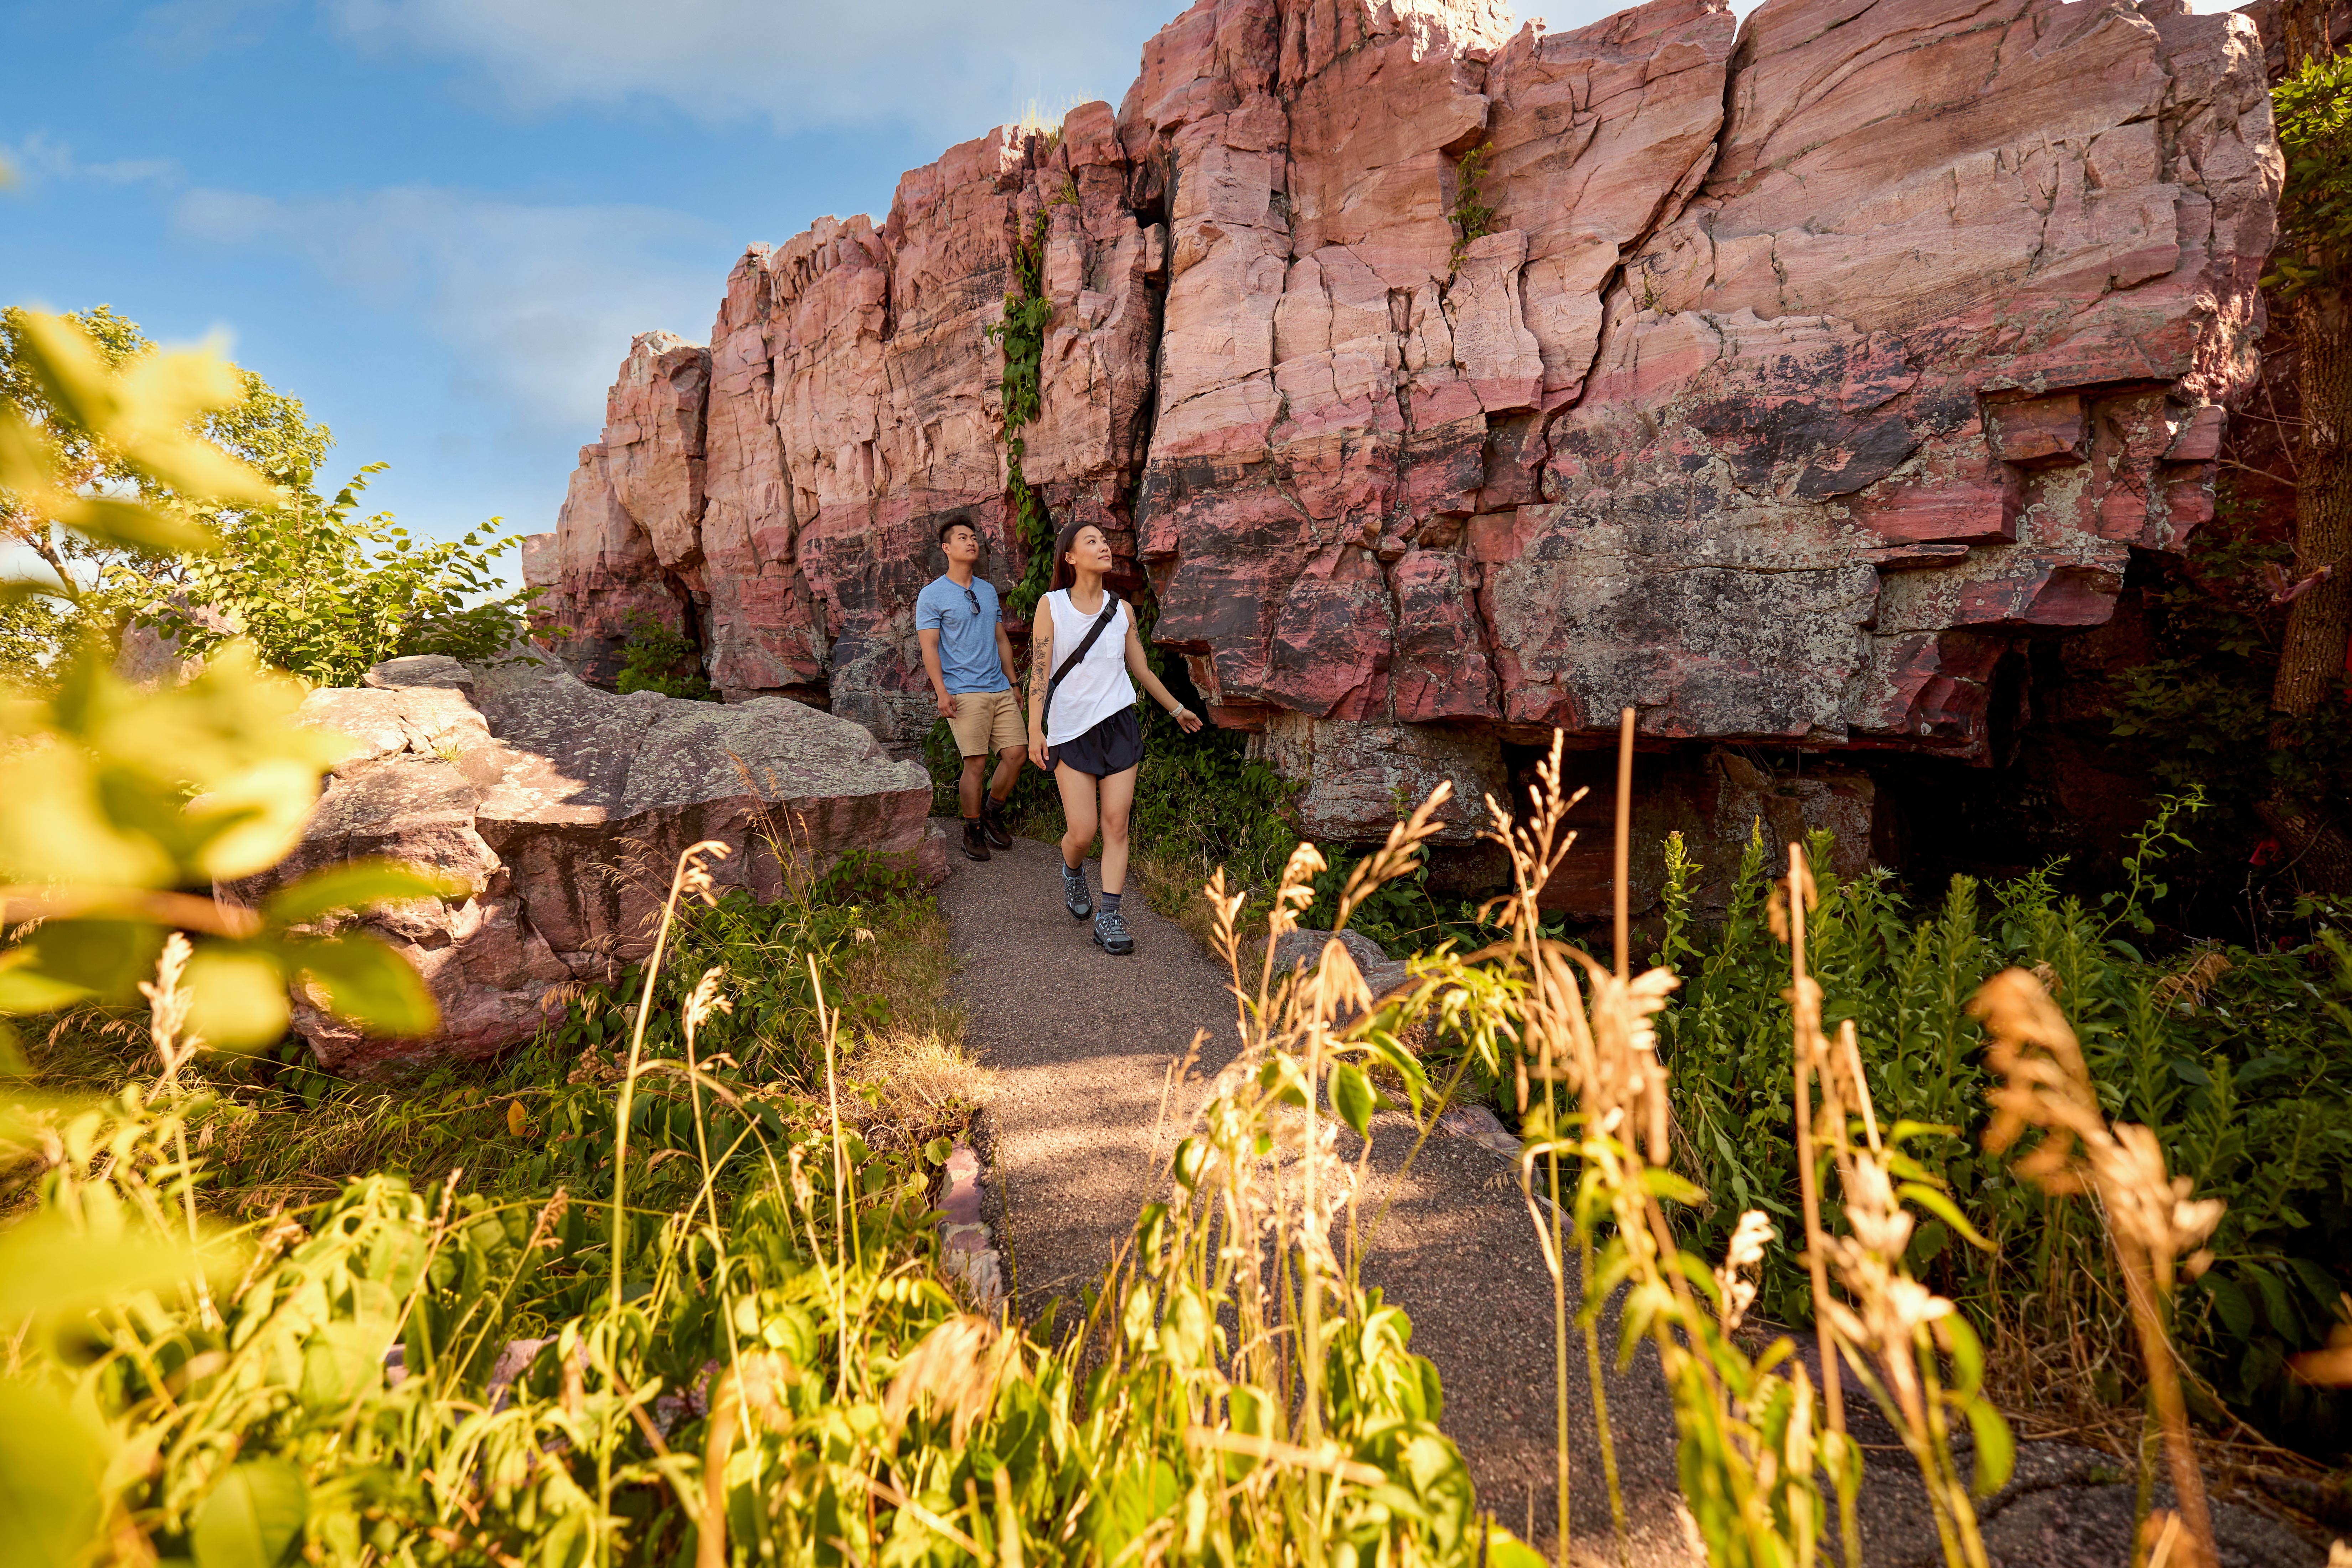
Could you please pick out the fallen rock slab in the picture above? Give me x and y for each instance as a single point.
(562, 810)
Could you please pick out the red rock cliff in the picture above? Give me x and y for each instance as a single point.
(1794, 370)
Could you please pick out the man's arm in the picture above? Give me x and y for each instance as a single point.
(1004, 653)
(930, 638)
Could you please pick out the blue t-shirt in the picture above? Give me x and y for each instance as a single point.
(967, 628)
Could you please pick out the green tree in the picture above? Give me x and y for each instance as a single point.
(260, 426)
(324, 593)
(318, 590)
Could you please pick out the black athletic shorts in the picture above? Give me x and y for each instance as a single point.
(1111, 747)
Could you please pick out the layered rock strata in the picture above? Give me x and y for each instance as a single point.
(563, 810)
(1451, 383)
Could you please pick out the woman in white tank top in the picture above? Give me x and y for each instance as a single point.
(1082, 725)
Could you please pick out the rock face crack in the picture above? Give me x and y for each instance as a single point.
(1731, 417)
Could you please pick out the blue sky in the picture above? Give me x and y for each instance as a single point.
(438, 222)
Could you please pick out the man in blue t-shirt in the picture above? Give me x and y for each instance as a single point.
(966, 653)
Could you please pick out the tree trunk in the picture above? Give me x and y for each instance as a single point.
(2319, 623)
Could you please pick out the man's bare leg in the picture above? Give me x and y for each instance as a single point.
(1009, 764)
(968, 787)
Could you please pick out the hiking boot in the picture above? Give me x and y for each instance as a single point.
(1075, 897)
(975, 843)
(992, 822)
(1110, 934)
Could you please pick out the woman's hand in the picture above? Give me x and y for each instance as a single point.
(1187, 721)
(1038, 754)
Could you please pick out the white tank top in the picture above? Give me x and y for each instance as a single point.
(1098, 686)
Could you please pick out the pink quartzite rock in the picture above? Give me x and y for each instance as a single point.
(1772, 389)
(563, 809)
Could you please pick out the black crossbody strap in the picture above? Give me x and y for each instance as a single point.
(1110, 609)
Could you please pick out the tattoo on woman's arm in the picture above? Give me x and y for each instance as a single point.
(1037, 667)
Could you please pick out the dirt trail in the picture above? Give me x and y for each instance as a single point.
(1081, 1044)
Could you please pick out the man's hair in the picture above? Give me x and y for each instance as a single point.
(951, 524)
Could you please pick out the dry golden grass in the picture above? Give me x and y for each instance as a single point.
(907, 965)
(1171, 884)
(924, 1082)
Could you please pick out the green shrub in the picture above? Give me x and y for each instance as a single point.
(655, 658)
(325, 594)
(2195, 714)
(2240, 1059)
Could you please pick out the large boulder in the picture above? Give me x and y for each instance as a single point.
(1454, 384)
(562, 809)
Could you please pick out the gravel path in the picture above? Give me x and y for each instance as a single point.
(1082, 1043)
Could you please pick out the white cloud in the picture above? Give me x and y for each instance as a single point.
(946, 67)
(42, 157)
(537, 303)
(182, 32)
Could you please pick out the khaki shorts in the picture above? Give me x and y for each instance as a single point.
(988, 722)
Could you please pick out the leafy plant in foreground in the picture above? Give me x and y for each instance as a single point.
(127, 807)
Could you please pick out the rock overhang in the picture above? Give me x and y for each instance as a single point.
(1801, 367)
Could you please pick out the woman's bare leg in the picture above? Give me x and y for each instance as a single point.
(1118, 795)
(1078, 807)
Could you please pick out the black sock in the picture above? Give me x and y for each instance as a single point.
(1109, 902)
(972, 822)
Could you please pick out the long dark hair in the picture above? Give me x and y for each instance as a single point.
(1065, 574)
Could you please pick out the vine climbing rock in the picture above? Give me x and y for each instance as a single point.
(558, 812)
(1450, 383)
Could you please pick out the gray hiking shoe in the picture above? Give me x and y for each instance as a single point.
(1075, 897)
(1110, 934)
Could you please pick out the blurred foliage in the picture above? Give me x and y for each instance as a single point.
(655, 658)
(126, 807)
(790, 1370)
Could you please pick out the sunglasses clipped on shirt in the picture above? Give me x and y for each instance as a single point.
(975, 603)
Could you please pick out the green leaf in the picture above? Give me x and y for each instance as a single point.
(24, 989)
(1996, 1448)
(357, 885)
(1945, 1209)
(1665, 1183)
(107, 957)
(254, 1517)
(2229, 1305)
(1968, 1356)
(51, 1468)
(1352, 1097)
(368, 983)
(1506, 1550)
(237, 997)
(127, 525)
(936, 1151)
(50, 1269)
